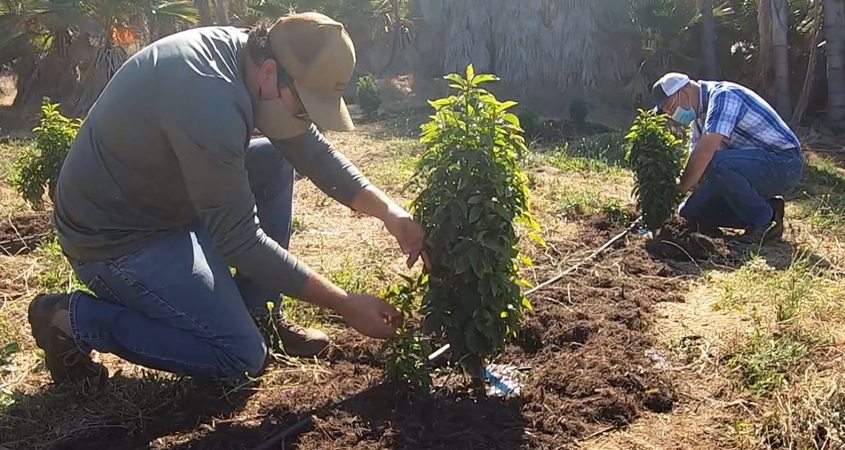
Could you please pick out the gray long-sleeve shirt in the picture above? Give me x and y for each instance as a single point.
(164, 147)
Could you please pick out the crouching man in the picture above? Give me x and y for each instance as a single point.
(746, 155)
(164, 191)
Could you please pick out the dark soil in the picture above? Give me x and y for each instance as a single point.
(22, 233)
(583, 352)
(676, 240)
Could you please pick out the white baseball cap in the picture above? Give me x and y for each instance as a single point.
(667, 86)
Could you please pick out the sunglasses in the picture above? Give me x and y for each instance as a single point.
(285, 78)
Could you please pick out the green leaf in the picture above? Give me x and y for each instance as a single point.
(477, 198)
(475, 213)
(479, 79)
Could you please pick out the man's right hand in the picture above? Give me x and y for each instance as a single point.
(371, 316)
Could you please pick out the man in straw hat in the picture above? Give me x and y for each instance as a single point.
(164, 191)
(744, 156)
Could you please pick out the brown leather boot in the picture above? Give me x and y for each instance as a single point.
(300, 341)
(48, 315)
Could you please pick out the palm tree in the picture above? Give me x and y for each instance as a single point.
(114, 24)
(834, 30)
(708, 41)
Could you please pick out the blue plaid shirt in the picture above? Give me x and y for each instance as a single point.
(742, 117)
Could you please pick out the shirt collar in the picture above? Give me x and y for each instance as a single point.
(705, 98)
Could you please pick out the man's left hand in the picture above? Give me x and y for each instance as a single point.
(409, 234)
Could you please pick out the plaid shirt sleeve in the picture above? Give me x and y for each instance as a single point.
(724, 112)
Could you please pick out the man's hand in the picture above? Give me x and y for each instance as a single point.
(700, 160)
(408, 233)
(372, 202)
(370, 316)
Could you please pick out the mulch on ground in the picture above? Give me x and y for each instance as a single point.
(586, 355)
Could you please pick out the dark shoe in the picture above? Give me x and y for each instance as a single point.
(707, 229)
(779, 209)
(64, 359)
(301, 342)
(774, 230)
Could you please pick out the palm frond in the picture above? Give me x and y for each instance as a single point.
(180, 11)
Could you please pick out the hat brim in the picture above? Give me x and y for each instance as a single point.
(328, 112)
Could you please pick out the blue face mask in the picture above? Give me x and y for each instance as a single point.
(683, 116)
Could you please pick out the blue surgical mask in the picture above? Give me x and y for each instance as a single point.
(683, 116)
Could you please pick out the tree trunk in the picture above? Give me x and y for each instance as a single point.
(834, 31)
(780, 21)
(204, 10)
(804, 98)
(708, 41)
(765, 65)
(222, 12)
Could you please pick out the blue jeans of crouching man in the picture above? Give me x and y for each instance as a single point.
(738, 184)
(174, 305)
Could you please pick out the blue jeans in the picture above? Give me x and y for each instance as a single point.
(738, 184)
(174, 305)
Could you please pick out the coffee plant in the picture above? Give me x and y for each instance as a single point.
(406, 357)
(472, 193)
(37, 169)
(657, 158)
(368, 95)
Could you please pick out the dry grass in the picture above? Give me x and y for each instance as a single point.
(811, 416)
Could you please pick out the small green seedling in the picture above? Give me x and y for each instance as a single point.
(656, 156)
(472, 194)
(38, 168)
(407, 356)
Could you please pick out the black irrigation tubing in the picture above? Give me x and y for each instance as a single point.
(303, 425)
(307, 422)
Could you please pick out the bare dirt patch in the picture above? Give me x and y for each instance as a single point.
(21, 233)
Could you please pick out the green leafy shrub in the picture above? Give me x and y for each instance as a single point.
(578, 111)
(407, 356)
(657, 160)
(38, 168)
(530, 123)
(368, 95)
(472, 194)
